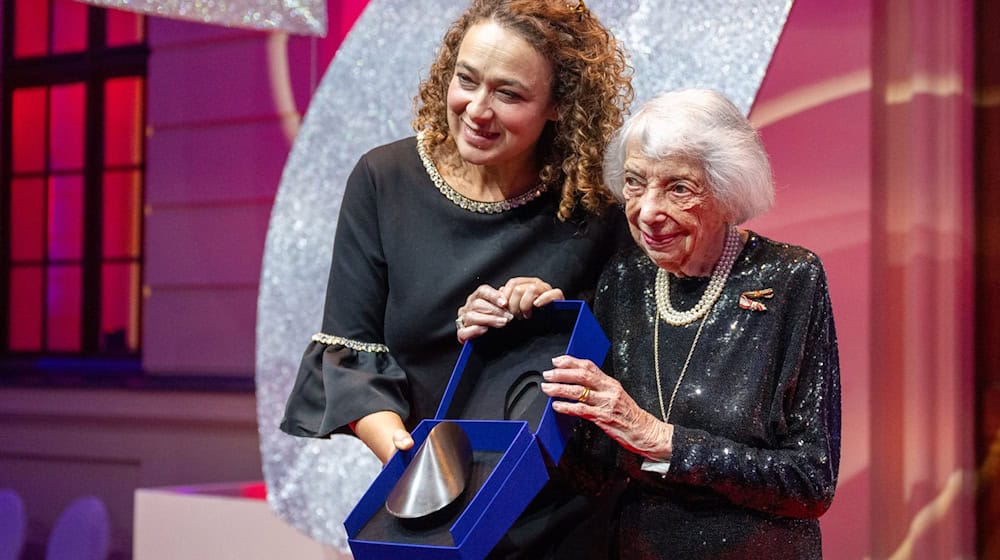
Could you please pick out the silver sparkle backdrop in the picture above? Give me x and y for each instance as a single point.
(302, 17)
(365, 99)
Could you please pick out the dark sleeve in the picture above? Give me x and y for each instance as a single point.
(347, 371)
(336, 385)
(796, 478)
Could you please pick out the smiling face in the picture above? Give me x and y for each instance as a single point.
(671, 212)
(499, 98)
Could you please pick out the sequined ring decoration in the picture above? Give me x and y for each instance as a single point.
(332, 340)
(719, 275)
(467, 203)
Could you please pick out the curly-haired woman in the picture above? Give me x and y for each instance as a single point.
(500, 194)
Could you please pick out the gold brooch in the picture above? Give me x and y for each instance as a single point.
(747, 299)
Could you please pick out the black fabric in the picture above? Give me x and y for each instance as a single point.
(502, 356)
(356, 381)
(404, 260)
(756, 446)
(558, 524)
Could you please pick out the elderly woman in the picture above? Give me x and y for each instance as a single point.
(722, 389)
(502, 188)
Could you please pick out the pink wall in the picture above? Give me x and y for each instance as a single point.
(871, 145)
(813, 113)
(215, 150)
(923, 471)
(224, 105)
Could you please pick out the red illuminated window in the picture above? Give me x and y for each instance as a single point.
(72, 168)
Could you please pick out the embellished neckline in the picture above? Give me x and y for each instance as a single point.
(466, 203)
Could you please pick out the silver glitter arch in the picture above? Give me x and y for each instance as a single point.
(305, 17)
(365, 99)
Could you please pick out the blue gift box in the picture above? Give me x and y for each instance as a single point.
(493, 395)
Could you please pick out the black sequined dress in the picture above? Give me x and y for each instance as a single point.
(756, 445)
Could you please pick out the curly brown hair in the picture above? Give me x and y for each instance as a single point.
(591, 87)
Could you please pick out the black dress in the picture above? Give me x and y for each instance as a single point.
(404, 260)
(756, 445)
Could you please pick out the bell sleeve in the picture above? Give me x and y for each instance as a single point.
(347, 371)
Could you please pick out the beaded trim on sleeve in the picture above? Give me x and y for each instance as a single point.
(324, 338)
(465, 202)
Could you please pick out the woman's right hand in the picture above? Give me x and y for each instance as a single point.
(523, 294)
(383, 432)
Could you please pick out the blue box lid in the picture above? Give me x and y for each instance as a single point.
(494, 395)
(498, 375)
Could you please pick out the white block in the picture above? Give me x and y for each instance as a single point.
(216, 522)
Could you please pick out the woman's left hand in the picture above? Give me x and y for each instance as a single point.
(525, 293)
(594, 396)
(488, 307)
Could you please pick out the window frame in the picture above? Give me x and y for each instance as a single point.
(93, 67)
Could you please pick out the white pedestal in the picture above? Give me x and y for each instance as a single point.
(217, 522)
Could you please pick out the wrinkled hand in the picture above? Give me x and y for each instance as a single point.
(594, 396)
(488, 307)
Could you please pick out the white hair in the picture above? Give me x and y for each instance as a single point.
(705, 125)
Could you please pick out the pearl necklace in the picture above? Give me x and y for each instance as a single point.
(719, 275)
(667, 312)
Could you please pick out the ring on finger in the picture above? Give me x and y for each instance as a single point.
(459, 323)
(586, 394)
